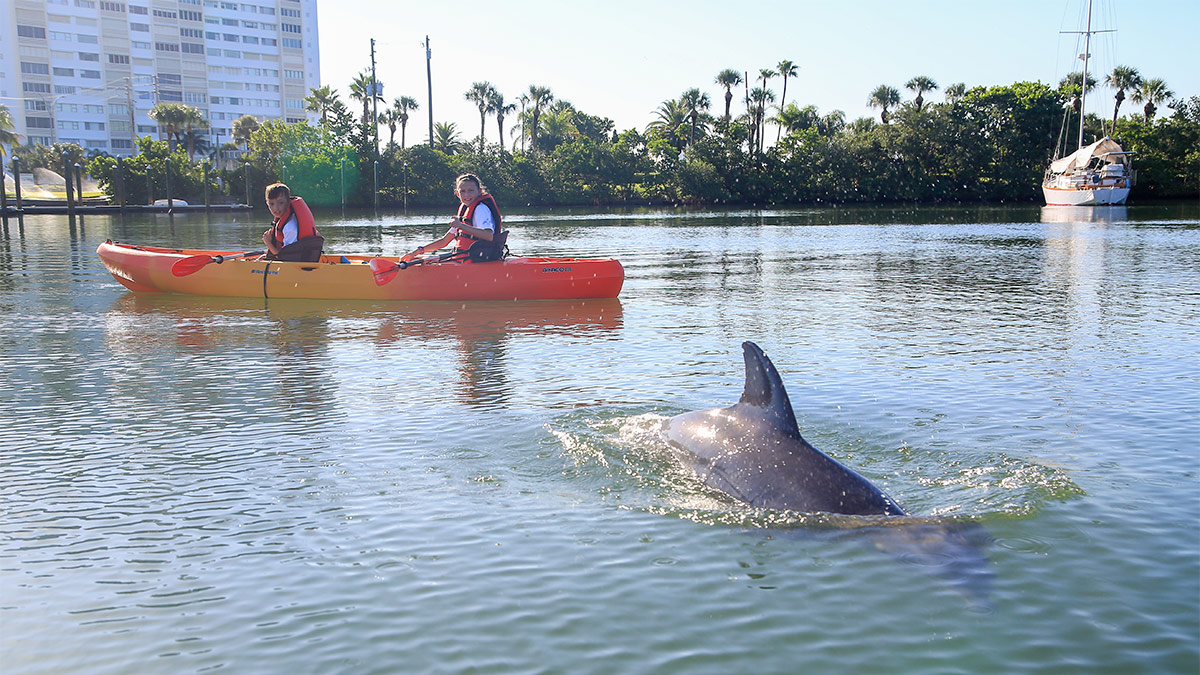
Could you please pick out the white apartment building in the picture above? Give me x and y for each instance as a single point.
(89, 71)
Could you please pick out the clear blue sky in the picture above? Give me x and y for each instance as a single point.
(622, 58)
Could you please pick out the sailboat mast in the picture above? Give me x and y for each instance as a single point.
(1087, 52)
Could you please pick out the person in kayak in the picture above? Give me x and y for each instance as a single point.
(476, 230)
(293, 236)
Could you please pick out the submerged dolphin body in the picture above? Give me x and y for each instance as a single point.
(753, 451)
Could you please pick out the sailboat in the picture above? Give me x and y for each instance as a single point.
(1094, 175)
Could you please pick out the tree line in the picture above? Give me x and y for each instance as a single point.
(977, 144)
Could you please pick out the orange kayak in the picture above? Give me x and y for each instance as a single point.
(147, 269)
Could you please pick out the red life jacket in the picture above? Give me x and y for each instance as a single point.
(306, 226)
(465, 241)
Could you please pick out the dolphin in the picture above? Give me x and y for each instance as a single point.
(753, 451)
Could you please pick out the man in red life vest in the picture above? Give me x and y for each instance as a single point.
(293, 237)
(476, 231)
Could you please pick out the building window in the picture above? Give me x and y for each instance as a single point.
(87, 39)
(170, 78)
(31, 32)
(166, 14)
(191, 32)
(166, 47)
(121, 144)
(118, 58)
(169, 95)
(39, 123)
(28, 68)
(140, 27)
(134, 9)
(64, 72)
(289, 28)
(189, 48)
(292, 44)
(90, 74)
(64, 89)
(89, 56)
(190, 16)
(33, 105)
(112, 6)
(35, 87)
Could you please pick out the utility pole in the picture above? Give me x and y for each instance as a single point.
(429, 81)
(132, 117)
(374, 98)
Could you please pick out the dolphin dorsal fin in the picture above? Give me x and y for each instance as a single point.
(764, 388)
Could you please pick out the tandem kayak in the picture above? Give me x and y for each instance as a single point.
(147, 269)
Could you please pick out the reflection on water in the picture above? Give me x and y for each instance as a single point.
(1084, 214)
(301, 333)
(479, 333)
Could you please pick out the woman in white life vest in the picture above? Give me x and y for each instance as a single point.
(476, 230)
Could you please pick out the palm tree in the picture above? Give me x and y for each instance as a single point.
(480, 94)
(538, 96)
(400, 108)
(320, 101)
(786, 69)
(795, 118)
(390, 118)
(884, 97)
(361, 90)
(668, 118)
(7, 136)
(1122, 78)
(921, 84)
(524, 117)
(500, 109)
(445, 137)
(761, 96)
(244, 127)
(194, 120)
(1071, 86)
(832, 124)
(728, 78)
(176, 120)
(1153, 92)
(694, 103)
(955, 92)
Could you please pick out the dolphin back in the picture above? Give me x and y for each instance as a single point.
(753, 451)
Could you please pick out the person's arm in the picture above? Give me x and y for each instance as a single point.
(445, 241)
(269, 241)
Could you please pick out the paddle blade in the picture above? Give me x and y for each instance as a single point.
(384, 270)
(190, 264)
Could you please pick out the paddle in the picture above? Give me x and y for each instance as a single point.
(194, 263)
(386, 270)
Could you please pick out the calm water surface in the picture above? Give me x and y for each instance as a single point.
(193, 484)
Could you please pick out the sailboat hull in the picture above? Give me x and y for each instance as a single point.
(1096, 196)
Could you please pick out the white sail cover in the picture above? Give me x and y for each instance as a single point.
(1082, 156)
